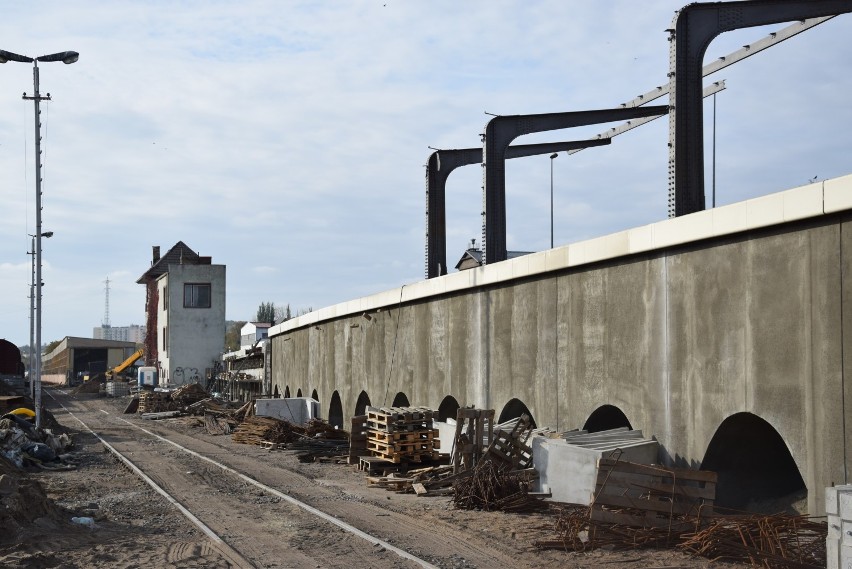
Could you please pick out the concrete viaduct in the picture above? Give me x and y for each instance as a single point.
(723, 333)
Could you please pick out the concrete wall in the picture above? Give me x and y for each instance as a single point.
(196, 336)
(680, 325)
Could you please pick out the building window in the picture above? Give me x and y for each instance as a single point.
(196, 295)
(166, 297)
(165, 338)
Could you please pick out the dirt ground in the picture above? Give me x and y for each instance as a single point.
(136, 527)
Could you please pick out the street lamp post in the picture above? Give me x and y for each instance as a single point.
(31, 253)
(552, 157)
(66, 57)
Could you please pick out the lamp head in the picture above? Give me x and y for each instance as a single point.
(66, 57)
(47, 234)
(9, 56)
(554, 155)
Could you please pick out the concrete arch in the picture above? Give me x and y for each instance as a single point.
(606, 417)
(514, 409)
(299, 392)
(287, 392)
(335, 411)
(315, 395)
(753, 463)
(400, 400)
(275, 393)
(448, 409)
(362, 403)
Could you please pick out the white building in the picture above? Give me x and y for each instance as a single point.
(186, 315)
(252, 332)
(133, 333)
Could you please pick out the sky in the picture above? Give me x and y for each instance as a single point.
(287, 139)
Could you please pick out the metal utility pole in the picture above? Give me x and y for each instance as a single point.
(66, 57)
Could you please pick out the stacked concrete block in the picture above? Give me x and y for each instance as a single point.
(838, 544)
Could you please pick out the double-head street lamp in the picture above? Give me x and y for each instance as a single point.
(66, 57)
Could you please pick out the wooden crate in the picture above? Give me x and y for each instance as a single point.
(644, 495)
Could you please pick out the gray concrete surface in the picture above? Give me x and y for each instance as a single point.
(679, 338)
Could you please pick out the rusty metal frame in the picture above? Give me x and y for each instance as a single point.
(694, 27)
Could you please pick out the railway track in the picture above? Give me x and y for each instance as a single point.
(223, 502)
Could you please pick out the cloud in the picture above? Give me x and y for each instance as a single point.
(292, 142)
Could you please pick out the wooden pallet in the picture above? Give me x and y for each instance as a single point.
(398, 418)
(357, 438)
(473, 428)
(376, 466)
(403, 436)
(512, 447)
(153, 402)
(644, 495)
(397, 458)
(398, 447)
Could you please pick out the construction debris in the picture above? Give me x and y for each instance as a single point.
(778, 541)
(492, 486)
(781, 541)
(313, 442)
(154, 402)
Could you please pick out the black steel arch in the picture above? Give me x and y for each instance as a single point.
(694, 27)
(499, 134)
(442, 163)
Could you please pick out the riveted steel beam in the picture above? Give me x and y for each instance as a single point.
(694, 27)
(499, 134)
(441, 164)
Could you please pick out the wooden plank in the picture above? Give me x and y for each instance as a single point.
(626, 519)
(663, 506)
(689, 489)
(606, 464)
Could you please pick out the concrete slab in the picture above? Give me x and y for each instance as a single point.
(296, 410)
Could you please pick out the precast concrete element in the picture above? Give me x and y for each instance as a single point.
(567, 466)
(499, 134)
(441, 164)
(681, 324)
(693, 28)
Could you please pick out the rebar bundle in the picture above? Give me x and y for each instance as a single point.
(777, 541)
(491, 488)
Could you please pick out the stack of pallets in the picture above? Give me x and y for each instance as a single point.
(402, 434)
(153, 402)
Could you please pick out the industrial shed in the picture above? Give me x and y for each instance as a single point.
(79, 356)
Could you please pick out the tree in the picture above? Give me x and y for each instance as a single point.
(232, 336)
(282, 314)
(51, 346)
(266, 312)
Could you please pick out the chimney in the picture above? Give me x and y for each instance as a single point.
(156, 254)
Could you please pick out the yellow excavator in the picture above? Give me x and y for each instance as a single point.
(111, 373)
